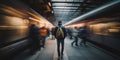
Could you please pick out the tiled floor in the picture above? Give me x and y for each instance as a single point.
(71, 53)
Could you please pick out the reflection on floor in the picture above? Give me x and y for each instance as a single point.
(71, 53)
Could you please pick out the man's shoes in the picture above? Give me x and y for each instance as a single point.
(58, 58)
(43, 46)
(61, 55)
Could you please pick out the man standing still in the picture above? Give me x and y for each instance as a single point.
(60, 34)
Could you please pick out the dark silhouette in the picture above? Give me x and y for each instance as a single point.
(83, 35)
(34, 38)
(69, 33)
(60, 34)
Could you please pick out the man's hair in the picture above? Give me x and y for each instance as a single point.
(59, 22)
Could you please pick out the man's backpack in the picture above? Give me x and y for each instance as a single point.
(59, 33)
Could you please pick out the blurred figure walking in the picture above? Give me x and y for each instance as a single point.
(83, 35)
(34, 39)
(44, 32)
(75, 36)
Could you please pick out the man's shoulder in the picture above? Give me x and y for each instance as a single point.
(59, 27)
(56, 27)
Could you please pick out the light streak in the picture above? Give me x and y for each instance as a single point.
(93, 12)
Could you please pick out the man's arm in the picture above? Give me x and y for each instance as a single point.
(65, 32)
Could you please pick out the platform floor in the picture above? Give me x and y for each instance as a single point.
(89, 52)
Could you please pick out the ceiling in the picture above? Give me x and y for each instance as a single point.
(66, 10)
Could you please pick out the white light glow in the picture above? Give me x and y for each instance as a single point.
(65, 7)
(64, 4)
(52, 11)
(68, 0)
(49, 3)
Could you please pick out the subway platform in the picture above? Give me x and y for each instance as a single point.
(89, 52)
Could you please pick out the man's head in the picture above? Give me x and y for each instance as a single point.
(59, 23)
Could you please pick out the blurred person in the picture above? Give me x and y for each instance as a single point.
(83, 35)
(52, 33)
(69, 33)
(44, 32)
(60, 33)
(75, 36)
(34, 39)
